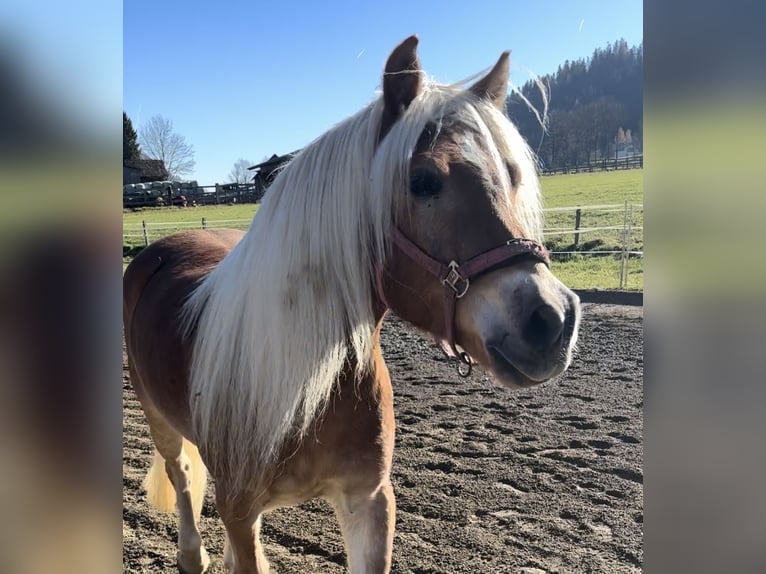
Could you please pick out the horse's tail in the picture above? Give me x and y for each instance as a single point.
(160, 491)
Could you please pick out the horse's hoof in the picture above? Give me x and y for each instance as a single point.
(192, 562)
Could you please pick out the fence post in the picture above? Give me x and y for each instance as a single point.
(624, 246)
(204, 223)
(146, 233)
(628, 239)
(578, 213)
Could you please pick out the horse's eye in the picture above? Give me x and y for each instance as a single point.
(425, 184)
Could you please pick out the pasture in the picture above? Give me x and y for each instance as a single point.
(487, 480)
(593, 188)
(579, 271)
(157, 215)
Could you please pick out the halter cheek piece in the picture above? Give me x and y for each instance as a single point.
(456, 278)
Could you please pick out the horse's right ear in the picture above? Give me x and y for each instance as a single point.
(402, 82)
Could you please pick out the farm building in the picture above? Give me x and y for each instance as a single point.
(143, 171)
(266, 171)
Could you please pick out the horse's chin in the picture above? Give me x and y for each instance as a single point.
(506, 374)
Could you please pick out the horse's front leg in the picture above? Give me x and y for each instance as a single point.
(241, 516)
(367, 522)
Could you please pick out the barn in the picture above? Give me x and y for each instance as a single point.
(143, 171)
(266, 171)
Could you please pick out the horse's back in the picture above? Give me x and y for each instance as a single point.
(155, 286)
(186, 255)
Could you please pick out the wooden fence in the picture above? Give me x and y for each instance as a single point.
(633, 162)
(224, 194)
(614, 230)
(199, 195)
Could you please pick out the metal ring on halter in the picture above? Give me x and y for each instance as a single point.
(465, 368)
(457, 278)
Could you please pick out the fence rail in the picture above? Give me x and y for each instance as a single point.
(606, 164)
(615, 238)
(180, 194)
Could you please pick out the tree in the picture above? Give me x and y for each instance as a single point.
(590, 99)
(159, 141)
(239, 173)
(130, 149)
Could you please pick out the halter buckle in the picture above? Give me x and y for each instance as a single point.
(454, 278)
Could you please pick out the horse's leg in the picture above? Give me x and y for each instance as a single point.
(192, 556)
(242, 551)
(367, 522)
(188, 477)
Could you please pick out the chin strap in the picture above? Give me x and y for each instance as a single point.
(456, 279)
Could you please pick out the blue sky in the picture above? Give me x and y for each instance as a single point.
(248, 79)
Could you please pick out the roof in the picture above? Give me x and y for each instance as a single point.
(153, 169)
(274, 162)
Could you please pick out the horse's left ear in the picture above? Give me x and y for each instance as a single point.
(493, 86)
(402, 82)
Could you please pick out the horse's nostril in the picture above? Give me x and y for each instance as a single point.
(544, 327)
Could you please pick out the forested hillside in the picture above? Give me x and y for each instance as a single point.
(595, 109)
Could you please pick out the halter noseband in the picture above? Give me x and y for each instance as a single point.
(456, 278)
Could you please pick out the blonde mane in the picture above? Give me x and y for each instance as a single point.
(292, 304)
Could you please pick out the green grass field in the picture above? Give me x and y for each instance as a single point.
(577, 271)
(599, 188)
(156, 215)
(161, 221)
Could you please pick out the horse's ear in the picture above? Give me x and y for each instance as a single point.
(402, 82)
(493, 86)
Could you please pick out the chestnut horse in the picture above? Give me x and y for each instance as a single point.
(257, 356)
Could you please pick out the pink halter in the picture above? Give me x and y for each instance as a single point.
(456, 278)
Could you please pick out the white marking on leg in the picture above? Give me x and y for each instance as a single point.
(367, 523)
(192, 556)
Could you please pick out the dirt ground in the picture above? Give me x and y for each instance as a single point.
(486, 480)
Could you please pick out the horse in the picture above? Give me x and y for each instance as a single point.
(256, 356)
